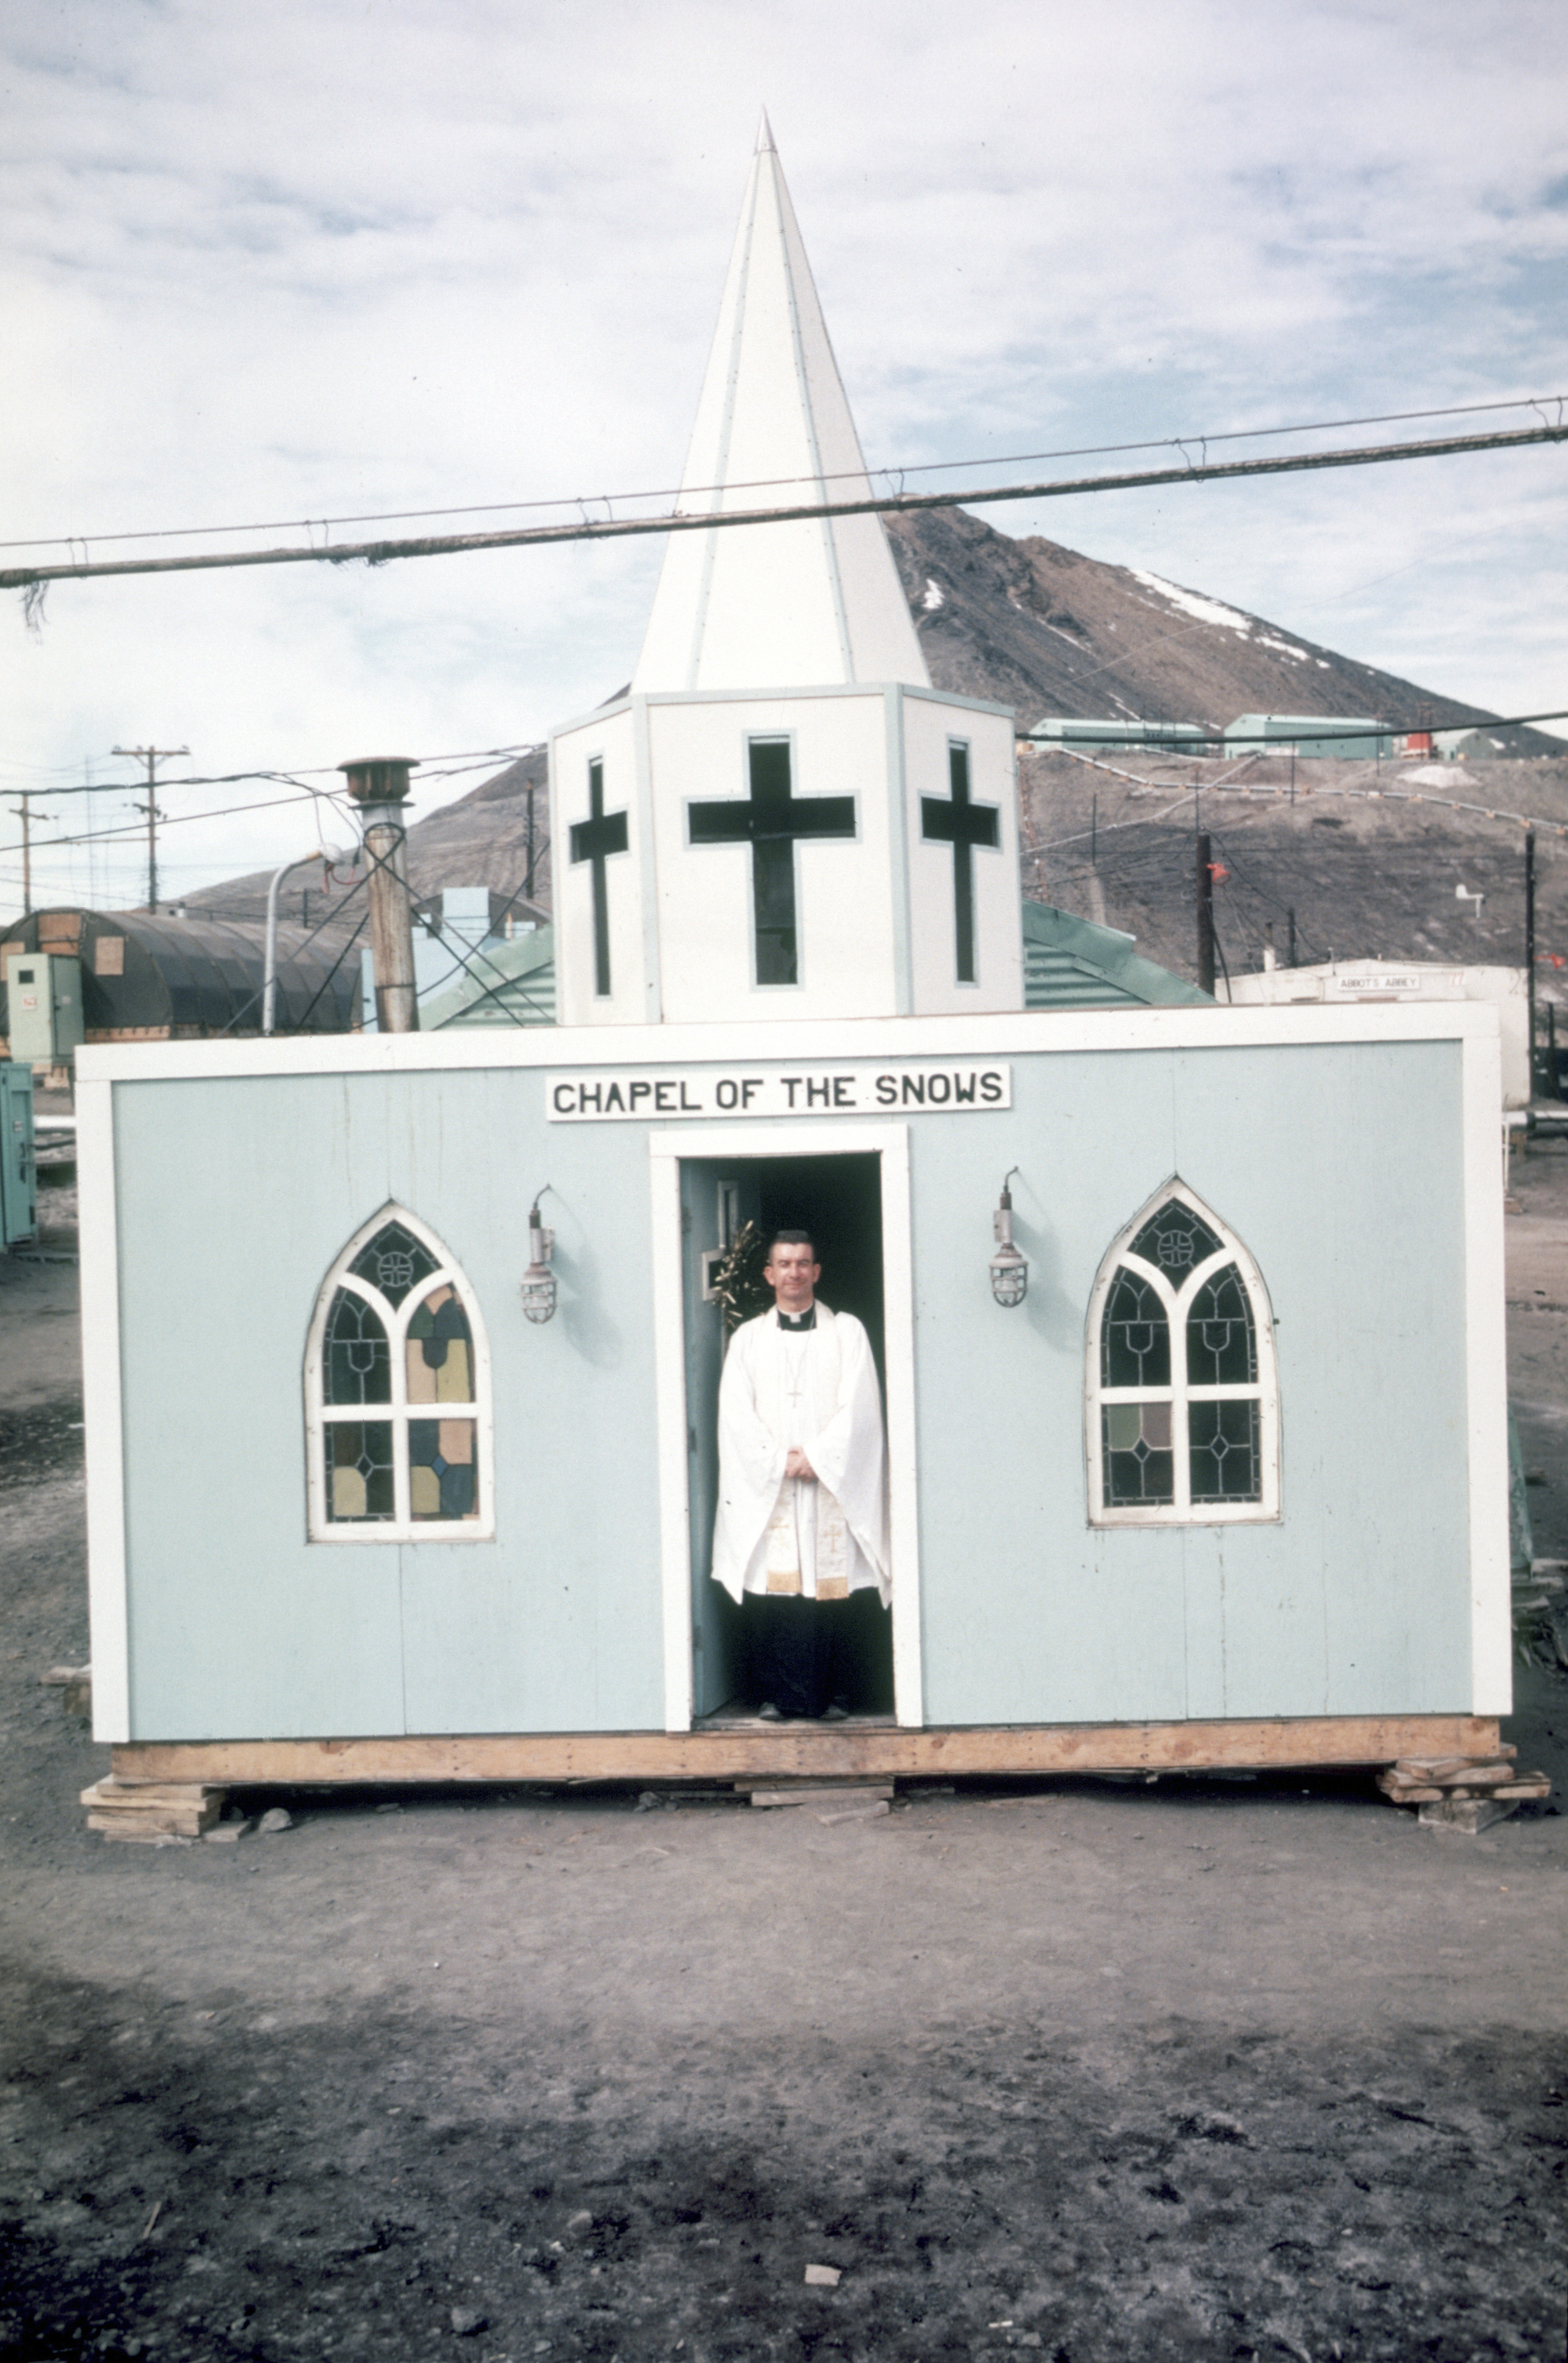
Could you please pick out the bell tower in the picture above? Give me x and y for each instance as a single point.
(783, 817)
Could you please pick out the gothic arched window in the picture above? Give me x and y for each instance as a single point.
(1182, 1394)
(398, 1393)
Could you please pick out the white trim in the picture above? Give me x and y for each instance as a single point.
(108, 1591)
(402, 1526)
(1179, 1392)
(1487, 1387)
(890, 1142)
(898, 849)
(765, 692)
(647, 865)
(1011, 1034)
(675, 1464)
(903, 1487)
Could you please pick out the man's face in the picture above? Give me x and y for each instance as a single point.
(792, 1276)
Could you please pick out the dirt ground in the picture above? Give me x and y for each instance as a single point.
(547, 2075)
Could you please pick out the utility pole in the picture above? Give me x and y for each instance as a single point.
(1290, 921)
(379, 786)
(152, 756)
(1205, 915)
(25, 809)
(1530, 946)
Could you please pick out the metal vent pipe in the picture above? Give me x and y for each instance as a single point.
(379, 786)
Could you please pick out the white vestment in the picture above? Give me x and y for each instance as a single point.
(815, 1390)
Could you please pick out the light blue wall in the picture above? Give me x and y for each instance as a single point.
(235, 1198)
(1340, 1167)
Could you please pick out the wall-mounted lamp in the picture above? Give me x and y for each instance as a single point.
(1009, 1270)
(538, 1280)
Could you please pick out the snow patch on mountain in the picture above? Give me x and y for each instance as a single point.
(1206, 611)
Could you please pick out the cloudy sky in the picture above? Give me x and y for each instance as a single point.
(331, 258)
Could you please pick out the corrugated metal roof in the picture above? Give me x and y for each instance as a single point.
(1069, 964)
(510, 984)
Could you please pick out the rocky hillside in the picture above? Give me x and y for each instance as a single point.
(1046, 630)
(1369, 860)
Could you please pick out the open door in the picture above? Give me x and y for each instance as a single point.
(839, 1200)
(716, 1202)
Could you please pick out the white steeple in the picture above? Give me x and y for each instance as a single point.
(814, 602)
(782, 818)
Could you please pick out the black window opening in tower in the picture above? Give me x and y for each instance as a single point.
(963, 825)
(592, 840)
(771, 820)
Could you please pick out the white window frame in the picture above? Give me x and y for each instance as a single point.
(1183, 1511)
(402, 1526)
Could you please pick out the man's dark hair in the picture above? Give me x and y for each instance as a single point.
(792, 1240)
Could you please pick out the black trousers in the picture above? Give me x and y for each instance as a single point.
(808, 1655)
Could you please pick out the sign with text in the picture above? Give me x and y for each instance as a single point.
(858, 1087)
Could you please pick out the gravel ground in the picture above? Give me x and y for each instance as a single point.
(1097, 2069)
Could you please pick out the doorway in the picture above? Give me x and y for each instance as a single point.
(838, 1198)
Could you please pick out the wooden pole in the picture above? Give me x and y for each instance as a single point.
(1529, 947)
(379, 786)
(1205, 914)
(152, 756)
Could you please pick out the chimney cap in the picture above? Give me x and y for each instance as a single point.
(379, 779)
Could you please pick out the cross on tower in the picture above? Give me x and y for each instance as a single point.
(962, 826)
(592, 839)
(769, 822)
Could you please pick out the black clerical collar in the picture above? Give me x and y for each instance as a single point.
(807, 1320)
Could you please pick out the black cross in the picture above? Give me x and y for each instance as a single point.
(769, 822)
(602, 833)
(962, 826)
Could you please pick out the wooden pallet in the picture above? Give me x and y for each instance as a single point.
(1461, 1792)
(152, 1812)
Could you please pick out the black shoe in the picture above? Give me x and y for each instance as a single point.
(769, 1712)
(836, 1712)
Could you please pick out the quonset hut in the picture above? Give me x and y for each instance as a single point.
(145, 978)
(1225, 1484)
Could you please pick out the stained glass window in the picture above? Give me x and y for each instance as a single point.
(360, 1469)
(359, 1361)
(1223, 1446)
(1135, 1348)
(393, 1261)
(1222, 1347)
(1140, 1465)
(398, 1330)
(1176, 1239)
(1183, 1404)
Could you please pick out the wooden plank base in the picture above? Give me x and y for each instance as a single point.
(814, 1751)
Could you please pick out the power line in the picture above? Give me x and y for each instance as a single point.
(32, 579)
(1541, 403)
(471, 758)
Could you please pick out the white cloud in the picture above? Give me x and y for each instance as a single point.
(321, 259)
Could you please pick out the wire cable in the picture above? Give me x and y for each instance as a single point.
(773, 483)
(32, 581)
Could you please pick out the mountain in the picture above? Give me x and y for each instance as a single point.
(1047, 630)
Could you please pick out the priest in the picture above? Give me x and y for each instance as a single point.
(802, 1522)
